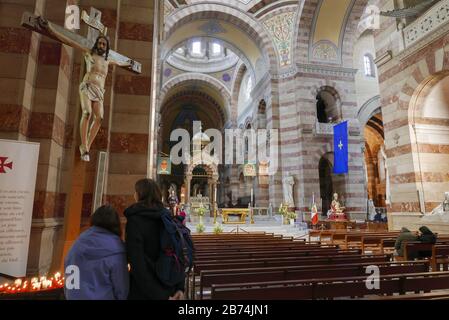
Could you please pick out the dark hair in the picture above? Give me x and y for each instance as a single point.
(425, 230)
(107, 44)
(107, 217)
(149, 193)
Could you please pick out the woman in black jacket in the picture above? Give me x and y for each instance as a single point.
(426, 236)
(143, 245)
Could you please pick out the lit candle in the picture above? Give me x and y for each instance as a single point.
(57, 276)
(18, 282)
(36, 286)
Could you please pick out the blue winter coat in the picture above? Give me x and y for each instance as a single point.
(100, 256)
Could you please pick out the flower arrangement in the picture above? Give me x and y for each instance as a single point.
(283, 210)
(288, 215)
(200, 228)
(218, 228)
(291, 215)
(201, 211)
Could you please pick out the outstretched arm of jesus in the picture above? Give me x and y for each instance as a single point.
(128, 63)
(64, 39)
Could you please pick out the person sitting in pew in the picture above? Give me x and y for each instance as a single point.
(426, 236)
(405, 235)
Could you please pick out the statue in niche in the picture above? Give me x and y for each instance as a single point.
(287, 185)
(337, 210)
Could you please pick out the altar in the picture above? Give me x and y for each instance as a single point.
(240, 213)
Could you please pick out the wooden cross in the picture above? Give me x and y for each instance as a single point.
(40, 25)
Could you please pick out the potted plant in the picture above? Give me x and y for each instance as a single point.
(291, 216)
(218, 228)
(288, 216)
(200, 227)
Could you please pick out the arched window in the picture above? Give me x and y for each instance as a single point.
(368, 63)
(216, 49)
(196, 48)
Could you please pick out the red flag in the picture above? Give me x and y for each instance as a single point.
(314, 214)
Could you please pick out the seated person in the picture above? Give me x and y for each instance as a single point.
(378, 217)
(405, 235)
(426, 236)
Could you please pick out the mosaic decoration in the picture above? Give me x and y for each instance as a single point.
(167, 72)
(280, 27)
(325, 51)
(212, 27)
(226, 77)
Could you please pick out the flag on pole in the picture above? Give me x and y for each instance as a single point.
(314, 211)
(341, 148)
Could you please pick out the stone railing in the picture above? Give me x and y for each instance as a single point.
(324, 128)
(429, 22)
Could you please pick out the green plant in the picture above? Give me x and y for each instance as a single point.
(200, 228)
(218, 228)
(283, 210)
(291, 215)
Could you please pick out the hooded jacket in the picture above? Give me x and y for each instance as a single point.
(101, 258)
(427, 236)
(143, 246)
(405, 235)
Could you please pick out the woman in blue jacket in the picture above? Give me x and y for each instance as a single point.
(100, 256)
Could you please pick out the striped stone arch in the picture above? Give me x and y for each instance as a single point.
(196, 97)
(211, 169)
(226, 13)
(241, 69)
(329, 86)
(429, 71)
(420, 94)
(334, 89)
(352, 32)
(305, 26)
(303, 30)
(326, 148)
(196, 77)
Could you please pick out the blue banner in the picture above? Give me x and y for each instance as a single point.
(341, 148)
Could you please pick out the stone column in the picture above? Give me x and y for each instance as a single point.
(188, 181)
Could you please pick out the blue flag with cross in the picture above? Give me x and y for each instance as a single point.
(341, 148)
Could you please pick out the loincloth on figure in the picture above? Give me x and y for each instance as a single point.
(93, 91)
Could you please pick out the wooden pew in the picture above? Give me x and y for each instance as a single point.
(280, 262)
(413, 249)
(211, 277)
(440, 258)
(331, 287)
(252, 256)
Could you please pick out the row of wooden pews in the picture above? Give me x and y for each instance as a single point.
(268, 267)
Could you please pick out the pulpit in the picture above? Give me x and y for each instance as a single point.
(338, 224)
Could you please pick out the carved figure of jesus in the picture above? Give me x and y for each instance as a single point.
(91, 89)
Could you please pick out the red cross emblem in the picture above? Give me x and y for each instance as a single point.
(4, 165)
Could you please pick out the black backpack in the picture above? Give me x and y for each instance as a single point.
(177, 251)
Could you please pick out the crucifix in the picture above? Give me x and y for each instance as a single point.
(97, 56)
